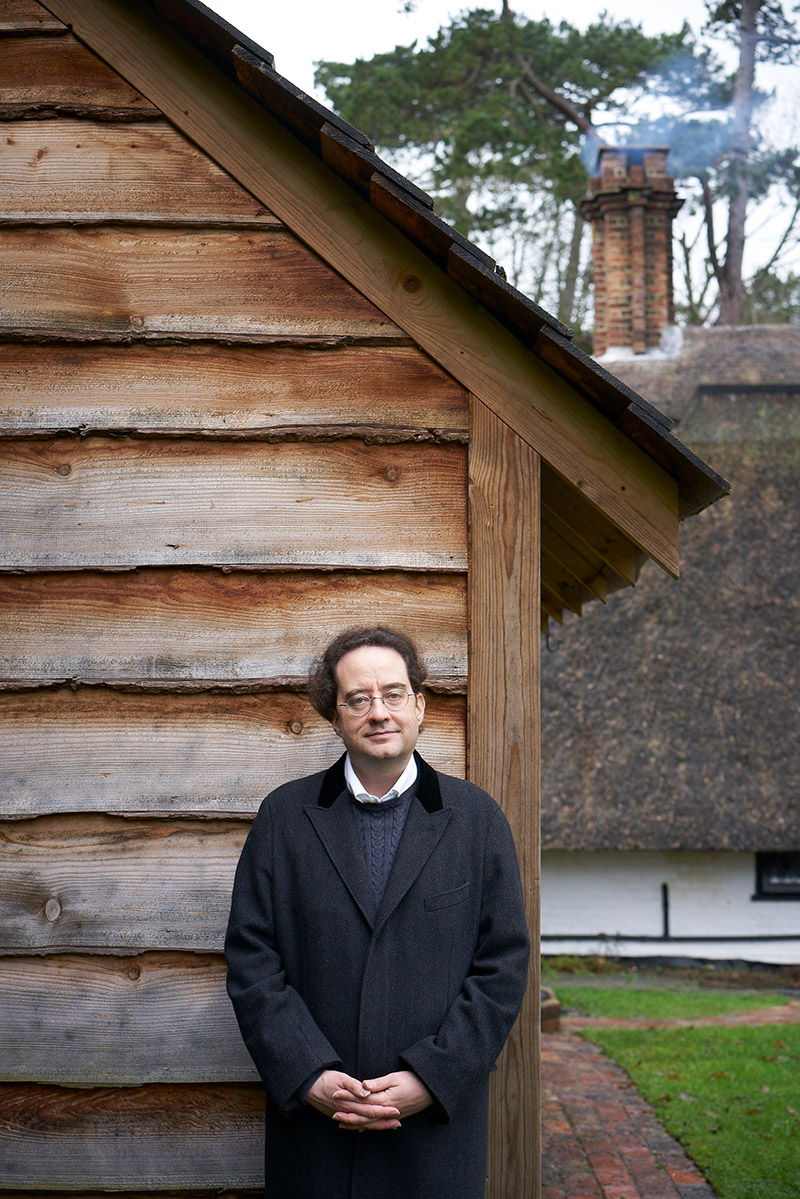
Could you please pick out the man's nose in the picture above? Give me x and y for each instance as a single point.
(376, 712)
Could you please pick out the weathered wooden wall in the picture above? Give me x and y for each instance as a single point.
(214, 454)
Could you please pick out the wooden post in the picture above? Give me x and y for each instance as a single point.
(503, 744)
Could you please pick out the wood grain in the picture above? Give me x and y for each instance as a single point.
(98, 750)
(103, 883)
(71, 170)
(119, 1021)
(60, 74)
(224, 389)
(207, 626)
(25, 16)
(503, 745)
(560, 583)
(545, 410)
(574, 556)
(552, 607)
(115, 502)
(193, 1193)
(113, 280)
(588, 526)
(148, 1138)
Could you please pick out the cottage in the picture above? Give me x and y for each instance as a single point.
(252, 389)
(670, 740)
(671, 736)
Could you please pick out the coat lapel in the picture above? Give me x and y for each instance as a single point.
(333, 820)
(421, 835)
(332, 817)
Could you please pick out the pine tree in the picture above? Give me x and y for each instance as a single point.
(500, 117)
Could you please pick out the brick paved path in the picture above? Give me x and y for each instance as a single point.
(600, 1140)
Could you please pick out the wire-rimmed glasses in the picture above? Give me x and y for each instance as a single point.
(394, 700)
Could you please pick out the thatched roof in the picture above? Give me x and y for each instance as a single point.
(671, 720)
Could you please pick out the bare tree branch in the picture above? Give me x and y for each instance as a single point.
(559, 102)
(767, 267)
(708, 209)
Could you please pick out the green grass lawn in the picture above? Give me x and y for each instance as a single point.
(731, 1096)
(634, 1003)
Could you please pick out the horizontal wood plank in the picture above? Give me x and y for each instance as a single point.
(543, 408)
(131, 280)
(114, 502)
(100, 750)
(208, 626)
(119, 1021)
(59, 74)
(149, 1138)
(224, 389)
(193, 1193)
(26, 16)
(104, 883)
(70, 170)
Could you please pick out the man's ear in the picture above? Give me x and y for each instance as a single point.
(334, 719)
(419, 704)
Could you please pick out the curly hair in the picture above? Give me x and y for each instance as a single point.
(322, 677)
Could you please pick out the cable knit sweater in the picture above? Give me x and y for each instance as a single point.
(380, 826)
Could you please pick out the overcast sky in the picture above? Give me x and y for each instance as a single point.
(301, 33)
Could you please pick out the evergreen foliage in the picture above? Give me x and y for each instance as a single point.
(500, 118)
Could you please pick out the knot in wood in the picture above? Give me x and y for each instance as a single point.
(64, 468)
(392, 474)
(411, 283)
(296, 726)
(52, 909)
(137, 322)
(133, 973)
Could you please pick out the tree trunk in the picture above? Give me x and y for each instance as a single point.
(566, 299)
(731, 287)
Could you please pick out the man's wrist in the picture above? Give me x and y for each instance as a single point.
(301, 1094)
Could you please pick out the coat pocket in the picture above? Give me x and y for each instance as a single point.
(447, 899)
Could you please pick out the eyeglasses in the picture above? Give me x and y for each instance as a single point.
(394, 701)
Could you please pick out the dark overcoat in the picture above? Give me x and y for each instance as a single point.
(431, 981)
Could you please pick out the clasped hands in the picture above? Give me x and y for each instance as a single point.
(374, 1105)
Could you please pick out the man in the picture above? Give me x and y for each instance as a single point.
(377, 949)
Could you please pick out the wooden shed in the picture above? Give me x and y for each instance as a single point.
(253, 390)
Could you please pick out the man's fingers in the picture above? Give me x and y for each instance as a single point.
(348, 1097)
(363, 1123)
(380, 1084)
(350, 1086)
(384, 1098)
(366, 1111)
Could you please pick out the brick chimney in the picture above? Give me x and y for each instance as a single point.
(631, 205)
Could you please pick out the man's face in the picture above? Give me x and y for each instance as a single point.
(380, 736)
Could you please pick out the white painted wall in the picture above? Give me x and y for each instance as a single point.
(612, 903)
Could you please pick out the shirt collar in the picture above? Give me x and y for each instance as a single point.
(356, 787)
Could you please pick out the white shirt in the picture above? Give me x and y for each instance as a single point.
(357, 788)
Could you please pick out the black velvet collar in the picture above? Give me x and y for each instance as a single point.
(428, 790)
